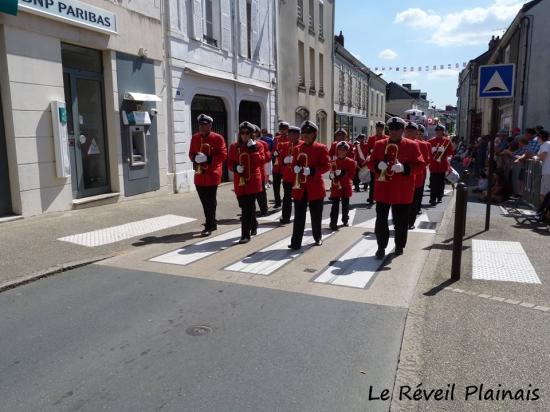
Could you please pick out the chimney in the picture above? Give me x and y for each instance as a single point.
(407, 86)
(340, 39)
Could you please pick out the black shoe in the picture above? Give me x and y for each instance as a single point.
(398, 251)
(294, 247)
(357, 190)
(370, 201)
(215, 227)
(439, 200)
(263, 213)
(333, 227)
(345, 224)
(419, 212)
(432, 203)
(277, 206)
(318, 242)
(254, 232)
(411, 227)
(284, 221)
(244, 240)
(380, 253)
(206, 233)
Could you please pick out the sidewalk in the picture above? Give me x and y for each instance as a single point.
(30, 246)
(475, 332)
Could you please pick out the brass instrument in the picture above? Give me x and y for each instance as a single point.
(207, 150)
(277, 148)
(298, 182)
(244, 161)
(336, 181)
(394, 152)
(439, 157)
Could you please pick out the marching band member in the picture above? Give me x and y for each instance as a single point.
(310, 160)
(442, 148)
(411, 132)
(266, 154)
(341, 175)
(394, 161)
(289, 176)
(361, 154)
(207, 152)
(246, 160)
(280, 138)
(379, 135)
(340, 135)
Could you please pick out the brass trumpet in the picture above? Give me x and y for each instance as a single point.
(439, 157)
(244, 161)
(207, 150)
(336, 181)
(298, 182)
(394, 152)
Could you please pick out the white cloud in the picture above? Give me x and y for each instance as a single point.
(387, 54)
(466, 27)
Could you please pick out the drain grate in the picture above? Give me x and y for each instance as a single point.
(198, 330)
(427, 225)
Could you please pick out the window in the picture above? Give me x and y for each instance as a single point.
(311, 16)
(249, 27)
(302, 74)
(372, 101)
(321, 73)
(311, 69)
(321, 19)
(341, 87)
(210, 22)
(300, 12)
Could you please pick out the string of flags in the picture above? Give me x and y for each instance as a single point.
(426, 68)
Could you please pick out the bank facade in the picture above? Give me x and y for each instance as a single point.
(83, 106)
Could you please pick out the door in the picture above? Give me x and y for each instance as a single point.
(5, 195)
(83, 83)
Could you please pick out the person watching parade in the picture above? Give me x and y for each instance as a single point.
(289, 176)
(280, 138)
(441, 148)
(341, 175)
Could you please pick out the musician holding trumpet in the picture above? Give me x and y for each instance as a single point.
(310, 160)
(442, 148)
(246, 160)
(289, 177)
(394, 161)
(341, 174)
(207, 152)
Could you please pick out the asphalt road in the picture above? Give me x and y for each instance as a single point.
(100, 338)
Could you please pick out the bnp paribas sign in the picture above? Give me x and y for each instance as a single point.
(72, 12)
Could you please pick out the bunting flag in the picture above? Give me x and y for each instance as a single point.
(435, 67)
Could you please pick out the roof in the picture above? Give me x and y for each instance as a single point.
(528, 6)
(396, 92)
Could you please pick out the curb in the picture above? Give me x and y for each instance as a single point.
(12, 284)
(408, 363)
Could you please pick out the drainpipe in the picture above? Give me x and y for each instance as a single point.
(526, 63)
(276, 65)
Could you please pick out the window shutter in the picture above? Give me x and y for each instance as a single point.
(225, 7)
(254, 30)
(264, 28)
(197, 20)
(243, 45)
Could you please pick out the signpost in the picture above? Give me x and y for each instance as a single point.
(9, 7)
(496, 81)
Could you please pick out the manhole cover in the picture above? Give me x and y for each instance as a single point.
(198, 330)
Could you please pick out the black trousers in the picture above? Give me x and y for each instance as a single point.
(356, 181)
(261, 197)
(335, 209)
(300, 209)
(437, 186)
(287, 201)
(400, 221)
(416, 204)
(371, 186)
(277, 179)
(207, 195)
(248, 213)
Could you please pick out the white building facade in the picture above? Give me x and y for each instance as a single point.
(220, 61)
(68, 71)
(305, 56)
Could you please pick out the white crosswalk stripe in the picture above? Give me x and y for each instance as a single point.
(200, 250)
(351, 217)
(370, 224)
(357, 266)
(273, 257)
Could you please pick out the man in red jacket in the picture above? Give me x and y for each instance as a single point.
(282, 137)
(442, 148)
(289, 177)
(379, 135)
(207, 152)
(395, 161)
(341, 174)
(340, 135)
(310, 161)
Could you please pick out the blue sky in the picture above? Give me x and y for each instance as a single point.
(422, 33)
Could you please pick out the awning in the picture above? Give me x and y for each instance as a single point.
(142, 97)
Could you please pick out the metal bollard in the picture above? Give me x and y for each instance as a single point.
(460, 224)
(465, 178)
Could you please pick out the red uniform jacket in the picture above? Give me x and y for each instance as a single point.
(342, 185)
(426, 150)
(370, 144)
(213, 146)
(398, 188)
(317, 158)
(332, 151)
(362, 152)
(253, 162)
(264, 147)
(277, 143)
(443, 165)
(287, 170)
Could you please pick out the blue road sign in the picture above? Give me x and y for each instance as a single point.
(496, 81)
